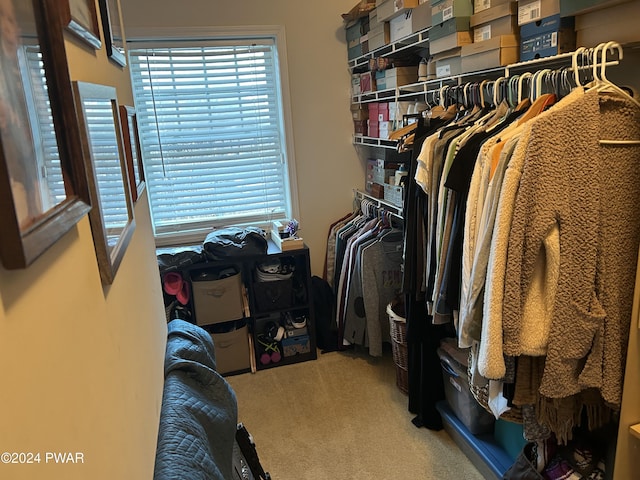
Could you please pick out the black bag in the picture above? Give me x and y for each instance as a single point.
(176, 259)
(234, 241)
(324, 307)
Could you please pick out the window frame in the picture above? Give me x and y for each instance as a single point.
(136, 37)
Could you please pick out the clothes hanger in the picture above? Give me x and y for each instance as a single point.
(512, 90)
(539, 81)
(465, 91)
(526, 75)
(574, 65)
(604, 85)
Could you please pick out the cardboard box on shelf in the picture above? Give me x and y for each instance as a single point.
(392, 8)
(422, 17)
(448, 63)
(547, 37)
(384, 129)
(367, 82)
(359, 111)
(495, 52)
(495, 21)
(443, 10)
(397, 110)
(533, 10)
(453, 25)
(450, 34)
(354, 52)
(356, 28)
(570, 8)
(355, 84)
(450, 42)
(597, 27)
(383, 112)
(396, 77)
(400, 26)
(411, 21)
(479, 5)
(377, 190)
(373, 129)
(360, 127)
(379, 36)
(364, 41)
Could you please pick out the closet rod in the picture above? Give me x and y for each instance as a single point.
(394, 210)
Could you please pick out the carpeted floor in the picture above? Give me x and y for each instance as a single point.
(342, 417)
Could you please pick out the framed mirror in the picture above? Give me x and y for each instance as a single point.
(43, 187)
(81, 18)
(113, 31)
(112, 220)
(133, 152)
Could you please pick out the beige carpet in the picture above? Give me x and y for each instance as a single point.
(342, 417)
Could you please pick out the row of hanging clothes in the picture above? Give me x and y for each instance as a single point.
(521, 242)
(364, 268)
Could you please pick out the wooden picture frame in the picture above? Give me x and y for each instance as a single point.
(43, 187)
(113, 31)
(81, 18)
(133, 151)
(112, 219)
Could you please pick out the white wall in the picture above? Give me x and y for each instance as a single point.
(327, 164)
(82, 365)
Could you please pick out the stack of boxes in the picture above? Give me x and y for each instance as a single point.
(357, 37)
(596, 19)
(378, 31)
(495, 30)
(385, 117)
(543, 32)
(415, 16)
(449, 32)
(383, 180)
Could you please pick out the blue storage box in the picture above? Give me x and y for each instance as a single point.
(547, 37)
(292, 346)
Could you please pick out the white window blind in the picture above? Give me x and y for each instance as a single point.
(211, 133)
(52, 189)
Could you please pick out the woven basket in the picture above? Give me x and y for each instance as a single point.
(398, 331)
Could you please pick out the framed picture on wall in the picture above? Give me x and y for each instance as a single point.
(112, 220)
(133, 152)
(113, 31)
(81, 18)
(43, 187)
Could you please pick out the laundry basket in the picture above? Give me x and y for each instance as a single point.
(398, 331)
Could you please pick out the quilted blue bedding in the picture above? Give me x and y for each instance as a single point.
(199, 413)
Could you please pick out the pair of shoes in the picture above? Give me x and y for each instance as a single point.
(174, 284)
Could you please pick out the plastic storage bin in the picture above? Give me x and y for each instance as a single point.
(456, 390)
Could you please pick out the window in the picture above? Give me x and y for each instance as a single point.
(211, 124)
